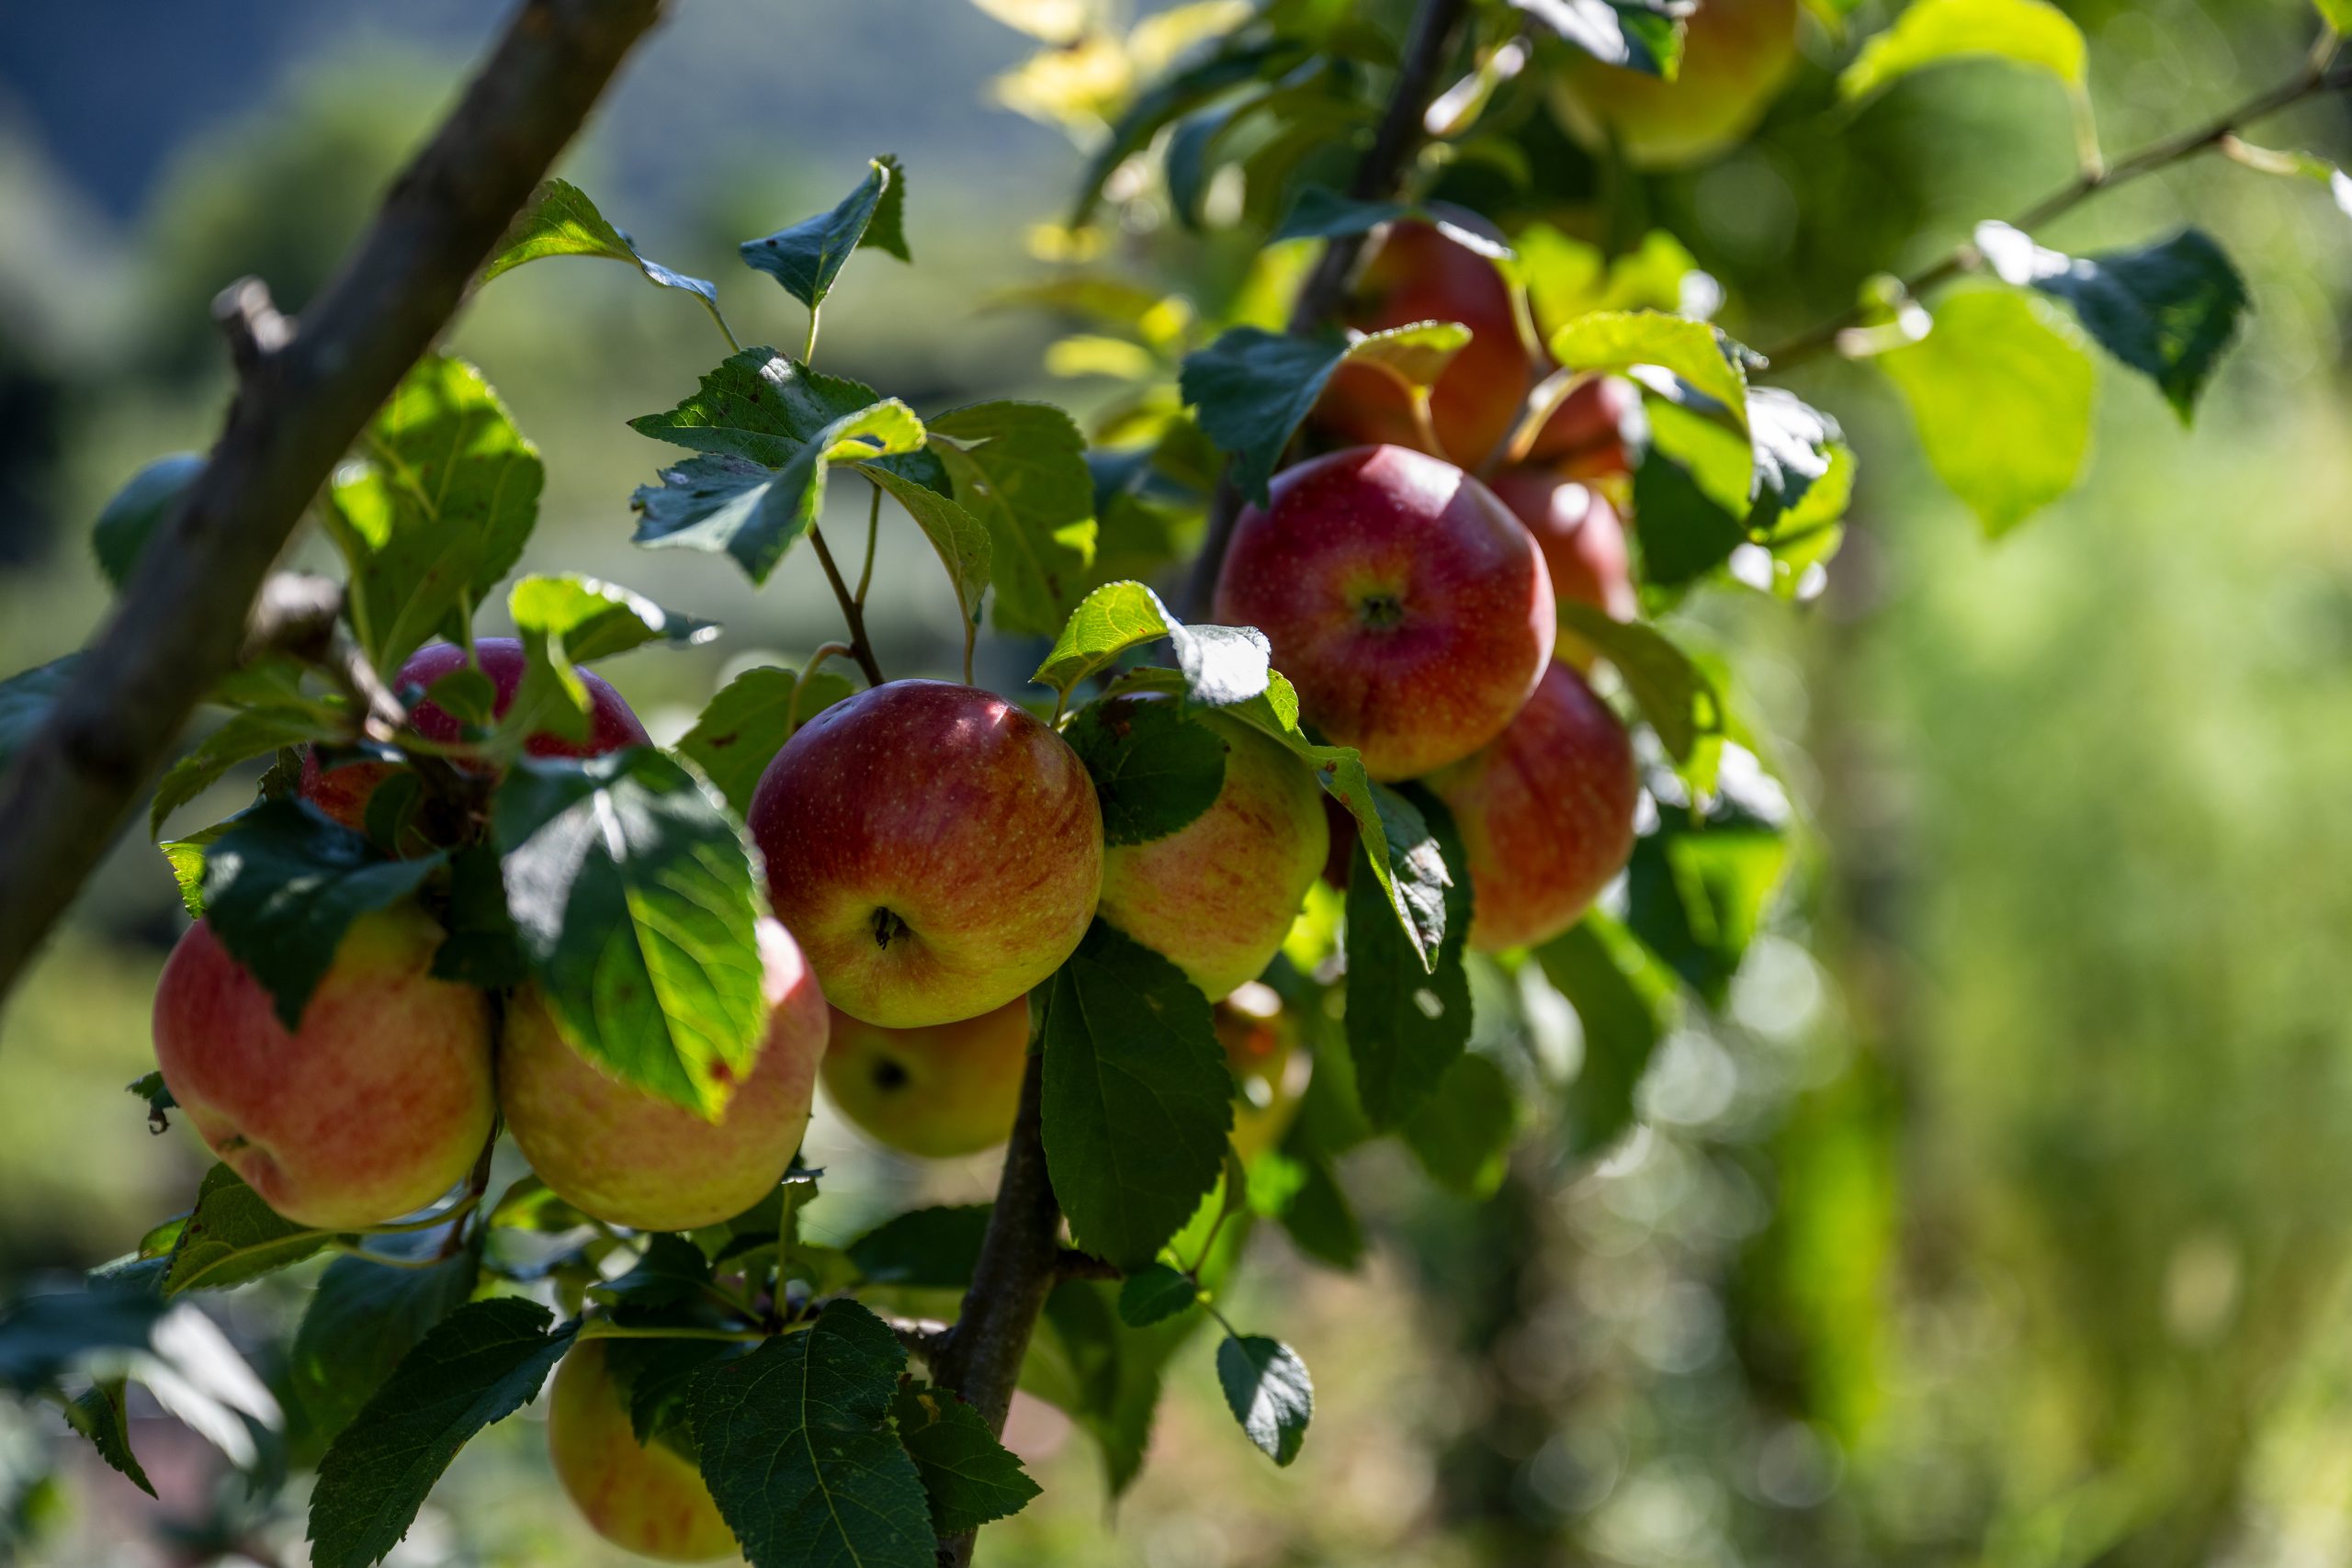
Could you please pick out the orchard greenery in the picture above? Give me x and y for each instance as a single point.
(466, 848)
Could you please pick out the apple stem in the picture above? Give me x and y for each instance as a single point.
(873, 528)
(853, 611)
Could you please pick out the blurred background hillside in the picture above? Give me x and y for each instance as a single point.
(2001, 1220)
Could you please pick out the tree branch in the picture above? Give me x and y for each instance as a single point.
(305, 390)
(2310, 81)
(1020, 1256)
(1376, 177)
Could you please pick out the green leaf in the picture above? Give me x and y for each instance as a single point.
(2336, 14)
(1170, 99)
(1406, 863)
(437, 511)
(256, 733)
(1220, 665)
(42, 1336)
(1639, 35)
(1463, 1130)
(1614, 343)
(150, 1088)
(128, 519)
(1676, 696)
(1153, 1293)
(1154, 770)
(562, 222)
(656, 1377)
(1254, 387)
(362, 1319)
(671, 1270)
(748, 722)
(635, 898)
(2167, 311)
(1318, 1218)
(759, 406)
(958, 537)
(234, 1236)
(934, 1249)
(568, 621)
(807, 257)
(2001, 390)
(728, 505)
(1267, 1388)
(1137, 1096)
(1699, 884)
(185, 859)
(798, 1451)
(1406, 1024)
(483, 948)
(478, 1365)
(1620, 1003)
(283, 886)
(971, 1476)
(1321, 213)
(100, 1415)
(2030, 33)
(26, 698)
(1020, 469)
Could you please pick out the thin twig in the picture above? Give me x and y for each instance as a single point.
(1377, 176)
(853, 611)
(2310, 81)
(305, 391)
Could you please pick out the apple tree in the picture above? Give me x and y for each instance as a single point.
(1361, 726)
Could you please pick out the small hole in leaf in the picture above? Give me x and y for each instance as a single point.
(1427, 1000)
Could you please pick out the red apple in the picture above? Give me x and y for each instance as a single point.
(934, 849)
(342, 793)
(632, 1159)
(1585, 436)
(1406, 603)
(1218, 895)
(642, 1497)
(1583, 545)
(1734, 55)
(1417, 274)
(1545, 814)
(940, 1091)
(374, 1108)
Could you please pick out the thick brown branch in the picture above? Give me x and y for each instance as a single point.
(305, 391)
(2312, 80)
(1020, 1256)
(1377, 177)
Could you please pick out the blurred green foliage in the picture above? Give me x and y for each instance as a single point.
(2000, 1218)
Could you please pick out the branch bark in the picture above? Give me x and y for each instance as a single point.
(2311, 81)
(305, 390)
(1376, 178)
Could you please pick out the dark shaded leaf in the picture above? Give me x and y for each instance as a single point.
(1154, 770)
(362, 1319)
(1406, 1025)
(808, 256)
(131, 516)
(747, 722)
(1153, 1293)
(1267, 1388)
(936, 1249)
(971, 1476)
(234, 1236)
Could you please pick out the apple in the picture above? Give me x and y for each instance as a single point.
(939, 1091)
(342, 793)
(1545, 814)
(1419, 274)
(1583, 545)
(1584, 437)
(633, 1159)
(641, 1497)
(1407, 604)
(1269, 1072)
(1218, 895)
(1734, 55)
(375, 1107)
(936, 850)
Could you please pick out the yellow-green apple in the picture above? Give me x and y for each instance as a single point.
(632, 1159)
(343, 792)
(1545, 814)
(1583, 545)
(1407, 604)
(941, 1090)
(936, 850)
(1419, 274)
(641, 1497)
(1269, 1072)
(1216, 896)
(376, 1106)
(1734, 55)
